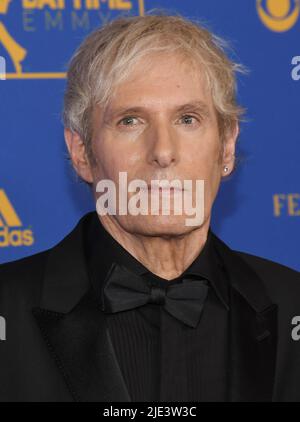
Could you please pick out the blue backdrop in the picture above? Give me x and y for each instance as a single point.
(257, 210)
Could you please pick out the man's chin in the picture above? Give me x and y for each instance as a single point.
(160, 225)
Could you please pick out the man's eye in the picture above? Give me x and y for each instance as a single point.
(128, 121)
(188, 120)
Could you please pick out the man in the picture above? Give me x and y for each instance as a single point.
(149, 306)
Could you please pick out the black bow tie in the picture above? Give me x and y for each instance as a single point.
(125, 290)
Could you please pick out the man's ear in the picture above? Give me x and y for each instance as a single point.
(228, 158)
(77, 152)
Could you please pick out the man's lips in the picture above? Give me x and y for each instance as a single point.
(164, 189)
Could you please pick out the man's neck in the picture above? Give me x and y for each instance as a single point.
(165, 256)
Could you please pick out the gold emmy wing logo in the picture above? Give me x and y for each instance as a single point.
(18, 53)
(15, 50)
(11, 232)
(279, 15)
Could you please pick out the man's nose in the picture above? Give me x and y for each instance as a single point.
(162, 146)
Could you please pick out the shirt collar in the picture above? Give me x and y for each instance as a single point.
(99, 243)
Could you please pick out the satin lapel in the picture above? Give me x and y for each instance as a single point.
(80, 345)
(252, 351)
(253, 331)
(74, 326)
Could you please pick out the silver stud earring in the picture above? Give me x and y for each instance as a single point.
(226, 169)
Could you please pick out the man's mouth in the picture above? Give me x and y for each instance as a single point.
(164, 189)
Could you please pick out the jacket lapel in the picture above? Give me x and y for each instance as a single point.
(74, 327)
(252, 351)
(253, 331)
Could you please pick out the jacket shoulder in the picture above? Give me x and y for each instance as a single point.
(280, 281)
(22, 278)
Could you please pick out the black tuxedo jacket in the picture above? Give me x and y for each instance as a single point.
(57, 346)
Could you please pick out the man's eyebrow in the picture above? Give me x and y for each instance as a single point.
(194, 105)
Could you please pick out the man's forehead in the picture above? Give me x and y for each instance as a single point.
(183, 85)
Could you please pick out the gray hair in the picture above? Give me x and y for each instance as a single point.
(108, 54)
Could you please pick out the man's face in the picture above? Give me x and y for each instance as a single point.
(160, 124)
